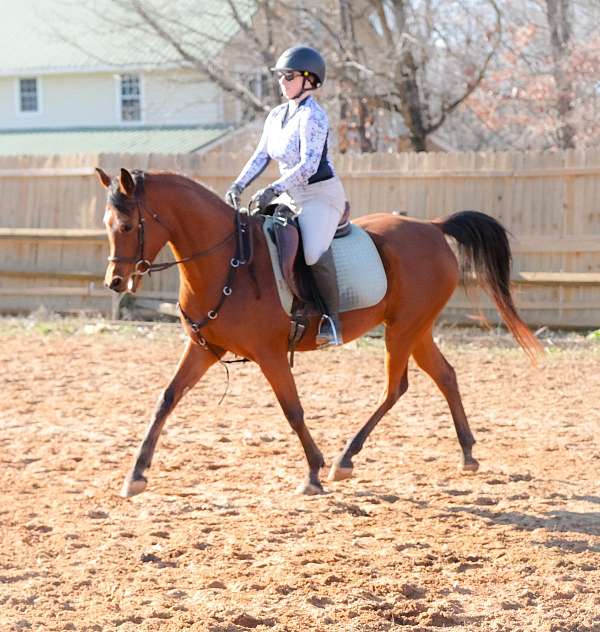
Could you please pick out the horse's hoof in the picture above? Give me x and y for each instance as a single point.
(133, 487)
(338, 473)
(310, 489)
(472, 465)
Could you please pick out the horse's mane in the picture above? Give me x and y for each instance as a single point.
(208, 194)
(122, 202)
(125, 204)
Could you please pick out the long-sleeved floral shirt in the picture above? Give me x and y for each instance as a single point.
(298, 142)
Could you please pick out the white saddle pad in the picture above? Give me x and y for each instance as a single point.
(360, 273)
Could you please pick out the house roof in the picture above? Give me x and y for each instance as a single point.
(163, 140)
(37, 36)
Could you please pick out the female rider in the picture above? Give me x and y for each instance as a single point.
(295, 134)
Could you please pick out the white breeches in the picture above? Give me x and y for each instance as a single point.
(319, 208)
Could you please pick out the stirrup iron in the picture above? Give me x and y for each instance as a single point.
(330, 338)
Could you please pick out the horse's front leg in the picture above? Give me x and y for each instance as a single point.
(279, 375)
(193, 364)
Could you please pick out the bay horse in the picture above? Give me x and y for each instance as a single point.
(243, 315)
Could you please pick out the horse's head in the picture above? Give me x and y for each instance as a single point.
(133, 246)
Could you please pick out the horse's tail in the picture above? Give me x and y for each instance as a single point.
(484, 252)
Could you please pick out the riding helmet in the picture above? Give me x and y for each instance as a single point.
(302, 59)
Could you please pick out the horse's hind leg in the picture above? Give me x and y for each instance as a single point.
(194, 362)
(396, 360)
(279, 375)
(430, 359)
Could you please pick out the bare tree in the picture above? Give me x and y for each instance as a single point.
(395, 67)
(542, 89)
(407, 61)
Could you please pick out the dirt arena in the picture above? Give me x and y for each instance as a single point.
(221, 542)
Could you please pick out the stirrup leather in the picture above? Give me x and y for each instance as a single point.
(327, 334)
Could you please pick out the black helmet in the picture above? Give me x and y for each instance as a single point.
(302, 59)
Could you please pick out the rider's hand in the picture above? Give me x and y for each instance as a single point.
(263, 197)
(233, 197)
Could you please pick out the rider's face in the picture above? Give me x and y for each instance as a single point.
(290, 84)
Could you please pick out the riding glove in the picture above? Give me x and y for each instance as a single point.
(233, 197)
(263, 197)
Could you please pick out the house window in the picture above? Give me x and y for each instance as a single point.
(259, 84)
(131, 102)
(28, 95)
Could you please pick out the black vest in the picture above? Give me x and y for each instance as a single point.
(324, 171)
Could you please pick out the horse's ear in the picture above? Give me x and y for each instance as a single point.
(103, 177)
(126, 183)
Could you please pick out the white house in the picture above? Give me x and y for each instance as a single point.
(76, 77)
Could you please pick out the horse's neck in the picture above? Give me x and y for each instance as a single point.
(196, 222)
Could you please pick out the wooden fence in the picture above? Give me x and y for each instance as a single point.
(53, 249)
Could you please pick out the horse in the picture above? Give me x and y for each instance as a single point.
(229, 307)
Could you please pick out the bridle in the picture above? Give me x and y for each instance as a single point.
(143, 266)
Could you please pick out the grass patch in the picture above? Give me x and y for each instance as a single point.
(446, 335)
(47, 324)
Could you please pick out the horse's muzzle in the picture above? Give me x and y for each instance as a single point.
(116, 284)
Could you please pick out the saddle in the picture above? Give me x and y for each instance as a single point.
(360, 273)
(285, 234)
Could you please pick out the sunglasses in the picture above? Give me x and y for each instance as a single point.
(289, 75)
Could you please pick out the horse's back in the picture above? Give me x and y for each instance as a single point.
(419, 262)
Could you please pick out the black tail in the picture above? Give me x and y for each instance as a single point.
(485, 253)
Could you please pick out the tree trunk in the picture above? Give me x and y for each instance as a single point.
(411, 107)
(558, 13)
(355, 114)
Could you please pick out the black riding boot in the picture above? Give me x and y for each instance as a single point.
(324, 274)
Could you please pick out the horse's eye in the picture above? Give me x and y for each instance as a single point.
(127, 228)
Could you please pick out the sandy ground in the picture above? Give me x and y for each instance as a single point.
(221, 542)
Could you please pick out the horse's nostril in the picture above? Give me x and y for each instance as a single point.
(115, 283)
